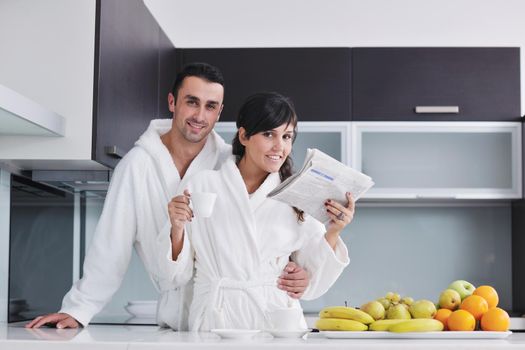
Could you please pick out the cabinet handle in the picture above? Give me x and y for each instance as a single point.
(114, 151)
(437, 109)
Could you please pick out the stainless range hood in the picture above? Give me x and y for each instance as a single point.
(20, 115)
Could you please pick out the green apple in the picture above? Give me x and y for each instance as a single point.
(449, 299)
(398, 311)
(385, 302)
(423, 309)
(407, 301)
(374, 309)
(396, 298)
(464, 288)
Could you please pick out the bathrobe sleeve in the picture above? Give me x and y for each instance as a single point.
(323, 264)
(174, 273)
(174, 281)
(109, 254)
(177, 273)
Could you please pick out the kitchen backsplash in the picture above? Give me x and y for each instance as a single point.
(41, 254)
(417, 251)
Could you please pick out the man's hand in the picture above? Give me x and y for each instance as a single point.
(293, 280)
(61, 320)
(179, 212)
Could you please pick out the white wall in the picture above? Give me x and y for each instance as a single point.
(47, 54)
(347, 23)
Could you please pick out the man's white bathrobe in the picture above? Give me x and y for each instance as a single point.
(135, 214)
(239, 252)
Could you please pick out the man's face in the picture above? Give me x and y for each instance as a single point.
(197, 108)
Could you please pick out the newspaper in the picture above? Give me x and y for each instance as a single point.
(321, 178)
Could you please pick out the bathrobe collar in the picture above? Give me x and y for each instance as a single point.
(207, 158)
(233, 178)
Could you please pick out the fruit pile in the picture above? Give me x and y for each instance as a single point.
(461, 307)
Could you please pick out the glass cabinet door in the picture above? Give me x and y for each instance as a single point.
(330, 137)
(463, 160)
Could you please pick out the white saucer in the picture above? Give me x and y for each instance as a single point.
(235, 333)
(288, 334)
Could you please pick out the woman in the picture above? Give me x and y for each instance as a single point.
(240, 250)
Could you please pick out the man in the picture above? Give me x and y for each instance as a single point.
(135, 212)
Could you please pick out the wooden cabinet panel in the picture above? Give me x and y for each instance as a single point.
(130, 52)
(388, 83)
(316, 79)
(169, 63)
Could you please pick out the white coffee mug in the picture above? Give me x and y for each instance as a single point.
(202, 203)
(286, 319)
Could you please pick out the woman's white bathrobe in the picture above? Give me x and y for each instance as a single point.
(239, 252)
(135, 215)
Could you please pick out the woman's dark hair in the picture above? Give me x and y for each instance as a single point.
(200, 70)
(262, 112)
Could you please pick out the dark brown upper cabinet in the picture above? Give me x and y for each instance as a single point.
(134, 70)
(316, 79)
(449, 84)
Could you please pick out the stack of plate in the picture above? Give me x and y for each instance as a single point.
(142, 309)
(17, 305)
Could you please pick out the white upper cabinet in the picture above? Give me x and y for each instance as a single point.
(105, 66)
(439, 160)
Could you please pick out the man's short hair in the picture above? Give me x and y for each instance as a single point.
(200, 70)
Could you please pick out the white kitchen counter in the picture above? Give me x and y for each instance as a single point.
(15, 336)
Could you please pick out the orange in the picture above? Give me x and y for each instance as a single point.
(461, 320)
(475, 304)
(495, 319)
(443, 315)
(489, 294)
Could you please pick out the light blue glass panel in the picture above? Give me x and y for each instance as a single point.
(227, 136)
(327, 141)
(438, 160)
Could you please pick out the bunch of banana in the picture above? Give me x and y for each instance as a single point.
(342, 318)
(384, 325)
(347, 313)
(417, 325)
(339, 324)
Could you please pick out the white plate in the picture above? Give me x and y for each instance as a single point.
(416, 335)
(235, 333)
(288, 334)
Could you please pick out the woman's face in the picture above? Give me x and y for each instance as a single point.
(267, 150)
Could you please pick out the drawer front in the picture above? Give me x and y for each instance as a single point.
(449, 84)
